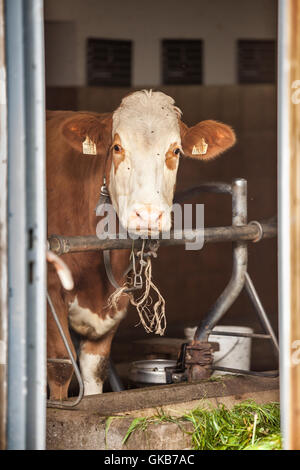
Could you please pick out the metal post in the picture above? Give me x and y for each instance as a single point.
(237, 281)
(114, 380)
(284, 276)
(263, 317)
(289, 219)
(27, 225)
(3, 234)
(17, 272)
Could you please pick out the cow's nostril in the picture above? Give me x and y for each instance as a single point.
(147, 216)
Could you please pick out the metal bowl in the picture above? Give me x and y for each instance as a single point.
(150, 371)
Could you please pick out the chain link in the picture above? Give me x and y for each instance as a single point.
(139, 263)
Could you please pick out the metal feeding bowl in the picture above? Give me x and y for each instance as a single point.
(150, 372)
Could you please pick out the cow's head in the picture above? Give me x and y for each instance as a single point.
(142, 143)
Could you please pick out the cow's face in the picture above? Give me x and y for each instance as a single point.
(142, 143)
(145, 152)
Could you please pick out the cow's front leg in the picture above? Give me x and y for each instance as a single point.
(93, 357)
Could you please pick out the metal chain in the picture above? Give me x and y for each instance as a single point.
(137, 274)
(139, 263)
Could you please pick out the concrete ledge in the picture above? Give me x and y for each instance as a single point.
(86, 427)
(85, 431)
(151, 397)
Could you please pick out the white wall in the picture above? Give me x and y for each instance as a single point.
(218, 22)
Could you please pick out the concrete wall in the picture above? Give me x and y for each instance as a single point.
(218, 22)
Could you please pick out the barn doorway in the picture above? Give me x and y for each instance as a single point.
(237, 85)
(224, 70)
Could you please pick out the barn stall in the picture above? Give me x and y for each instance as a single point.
(227, 72)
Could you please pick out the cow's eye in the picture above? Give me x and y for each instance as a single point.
(176, 151)
(117, 148)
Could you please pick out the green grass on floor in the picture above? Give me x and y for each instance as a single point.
(247, 426)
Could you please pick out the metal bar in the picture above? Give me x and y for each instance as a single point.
(3, 235)
(261, 311)
(236, 283)
(66, 404)
(286, 218)
(73, 244)
(240, 335)
(17, 236)
(246, 372)
(205, 187)
(33, 17)
(114, 379)
(26, 417)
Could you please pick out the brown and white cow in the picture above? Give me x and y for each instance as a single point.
(138, 148)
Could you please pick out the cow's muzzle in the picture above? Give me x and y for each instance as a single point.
(147, 218)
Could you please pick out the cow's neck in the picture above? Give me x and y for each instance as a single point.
(94, 171)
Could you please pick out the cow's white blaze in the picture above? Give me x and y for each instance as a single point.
(142, 185)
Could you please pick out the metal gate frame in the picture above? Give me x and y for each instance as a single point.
(26, 349)
(3, 235)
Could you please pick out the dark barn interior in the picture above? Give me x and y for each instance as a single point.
(233, 80)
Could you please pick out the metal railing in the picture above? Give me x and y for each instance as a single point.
(240, 233)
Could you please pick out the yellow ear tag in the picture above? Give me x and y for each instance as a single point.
(201, 149)
(89, 147)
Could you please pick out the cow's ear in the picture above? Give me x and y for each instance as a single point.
(89, 134)
(206, 140)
